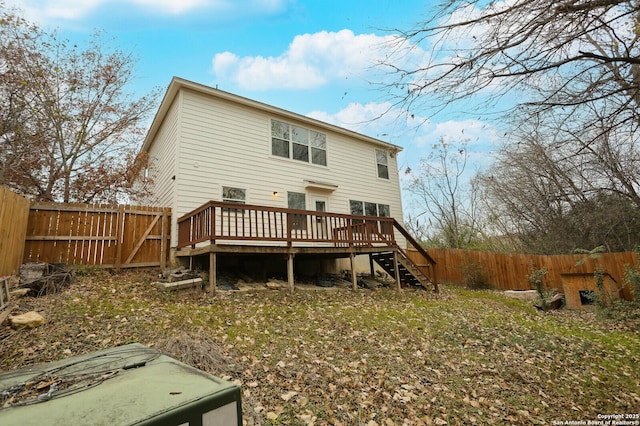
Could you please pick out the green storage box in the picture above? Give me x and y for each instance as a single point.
(125, 385)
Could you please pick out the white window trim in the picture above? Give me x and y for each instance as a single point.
(364, 212)
(375, 153)
(291, 142)
(233, 200)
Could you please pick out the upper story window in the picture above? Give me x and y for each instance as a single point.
(298, 143)
(383, 164)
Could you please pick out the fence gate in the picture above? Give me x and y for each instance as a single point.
(14, 213)
(108, 236)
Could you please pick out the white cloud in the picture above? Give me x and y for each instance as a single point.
(378, 120)
(311, 61)
(452, 131)
(48, 10)
(55, 9)
(416, 134)
(176, 7)
(259, 73)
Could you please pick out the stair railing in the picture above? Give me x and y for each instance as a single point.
(416, 245)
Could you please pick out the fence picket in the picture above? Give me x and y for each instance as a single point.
(14, 214)
(510, 271)
(102, 235)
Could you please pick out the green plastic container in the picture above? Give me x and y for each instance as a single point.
(125, 385)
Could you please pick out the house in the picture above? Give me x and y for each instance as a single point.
(305, 185)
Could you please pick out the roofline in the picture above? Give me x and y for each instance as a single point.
(178, 83)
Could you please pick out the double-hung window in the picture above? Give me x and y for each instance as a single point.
(382, 162)
(298, 143)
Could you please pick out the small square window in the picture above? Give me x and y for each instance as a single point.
(279, 130)
(234, 195)
(299, 135)
(319, 156)
(370, 209)
(356, 207)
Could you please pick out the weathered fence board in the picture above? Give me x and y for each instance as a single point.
(14, 213)
(510, 271)
(109, 236)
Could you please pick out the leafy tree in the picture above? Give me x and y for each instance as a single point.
(70, 131)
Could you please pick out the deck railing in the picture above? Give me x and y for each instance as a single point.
(224, 221)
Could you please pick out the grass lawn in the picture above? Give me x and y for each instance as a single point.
(380, 357)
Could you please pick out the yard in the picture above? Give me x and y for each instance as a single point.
(340, 357)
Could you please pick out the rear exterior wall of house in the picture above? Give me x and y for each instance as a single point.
(213, 148)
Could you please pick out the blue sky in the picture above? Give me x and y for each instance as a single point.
(311, 57)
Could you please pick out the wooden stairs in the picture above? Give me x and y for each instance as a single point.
(410, 274)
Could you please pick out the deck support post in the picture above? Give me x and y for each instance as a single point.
(395, 268)
(290, 272)
(354, 278)
(373, 274)
(212, 273)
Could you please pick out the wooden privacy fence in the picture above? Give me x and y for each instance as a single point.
(14, 213)
(509, 271)
(108, 236)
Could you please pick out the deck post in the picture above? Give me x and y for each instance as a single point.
(212, 273)
(395, 268)
(290, 271)
(354, 278)
(164, 231)
(373, 274)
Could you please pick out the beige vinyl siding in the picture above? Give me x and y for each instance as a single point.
(162, 169)
(162, 159)
(209, 139)
(220, 147)
(227, 144)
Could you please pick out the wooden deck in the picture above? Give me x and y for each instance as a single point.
(230, 228)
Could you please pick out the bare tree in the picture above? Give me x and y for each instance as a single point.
(70, 130)
(568, 175)
(571, 52)
(553, 192)
(446, 198)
